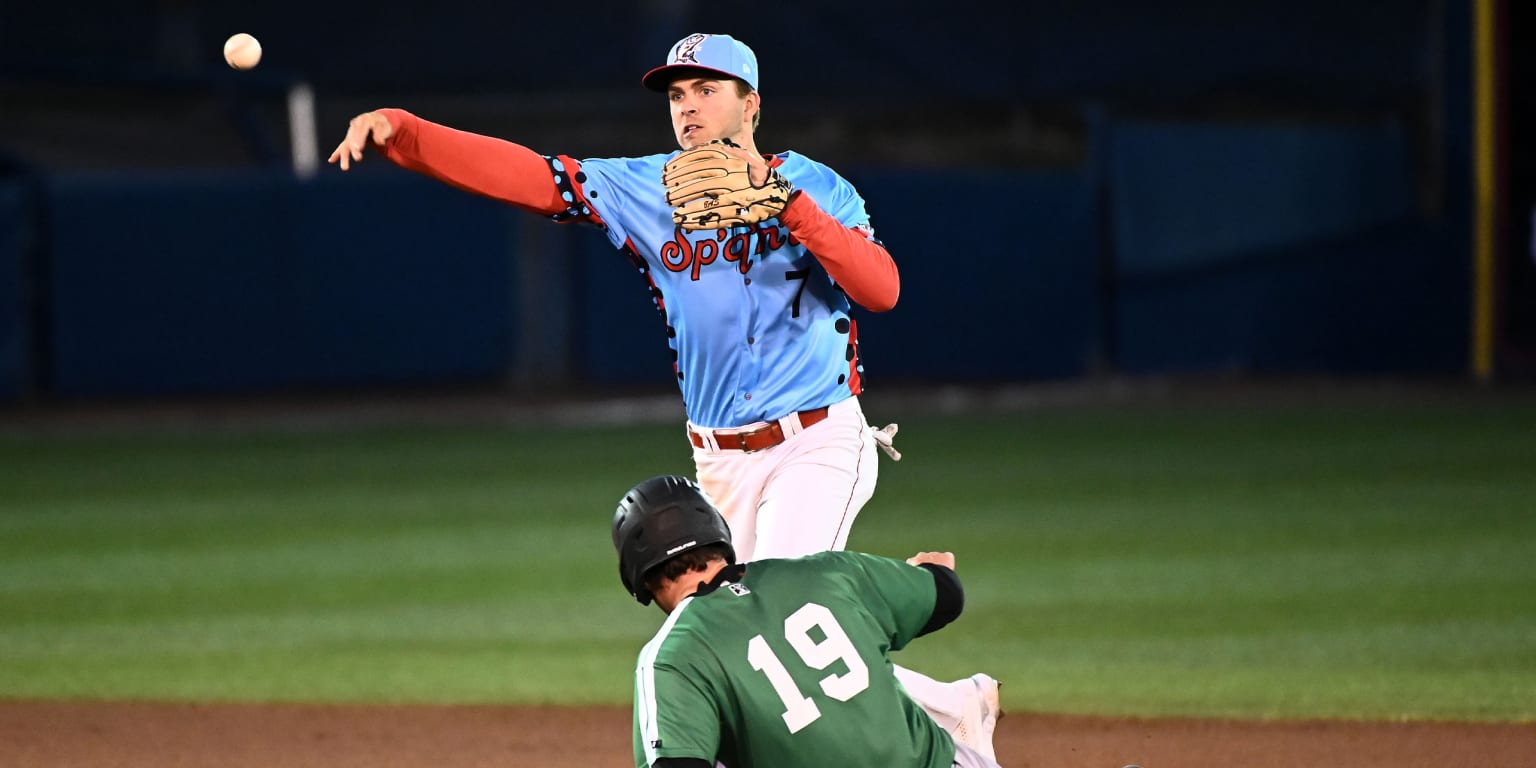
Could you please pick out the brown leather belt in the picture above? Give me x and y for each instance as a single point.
(757, 439)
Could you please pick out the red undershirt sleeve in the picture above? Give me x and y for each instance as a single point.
(863, 267)
(487, 166)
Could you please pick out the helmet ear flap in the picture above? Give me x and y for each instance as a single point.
(634, 582)
(659, 519)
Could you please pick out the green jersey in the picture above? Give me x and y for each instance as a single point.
(789, 665)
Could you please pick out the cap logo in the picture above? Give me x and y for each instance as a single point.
(682, 547)
(688, 49)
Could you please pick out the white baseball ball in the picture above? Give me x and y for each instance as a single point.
(242, 51)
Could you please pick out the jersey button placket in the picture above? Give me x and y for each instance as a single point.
(749, 379)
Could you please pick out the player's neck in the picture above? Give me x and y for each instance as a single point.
(746, 141)
(749, 145)
(672, 592)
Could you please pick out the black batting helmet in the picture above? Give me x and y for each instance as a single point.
(659, 519)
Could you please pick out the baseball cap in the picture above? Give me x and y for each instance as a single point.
(718, 54)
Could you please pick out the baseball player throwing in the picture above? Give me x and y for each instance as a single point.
(752, 261)
(776, 662)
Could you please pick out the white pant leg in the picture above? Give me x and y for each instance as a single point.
(802, 495)
(943, 701)
(815, 492)
(965, 757)
(733, 481)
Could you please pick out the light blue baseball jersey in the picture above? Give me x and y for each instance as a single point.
(757, 327)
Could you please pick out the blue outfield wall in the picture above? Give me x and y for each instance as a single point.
(1385, 301)
(1280, 248)
(194, 284)
(999, 275)
(15, 325)
(1261, 248)
(619, 331)
(997, 291)
(1001, 290)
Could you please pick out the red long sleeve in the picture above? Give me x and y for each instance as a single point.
(863, 268)
(487, 166)
(515, 174)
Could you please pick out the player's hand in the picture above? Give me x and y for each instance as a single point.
(946, 559)
(368, 125)
(757, 167)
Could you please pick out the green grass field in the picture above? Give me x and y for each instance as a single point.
(1358, 562)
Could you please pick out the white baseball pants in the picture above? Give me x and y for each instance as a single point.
(799, 497)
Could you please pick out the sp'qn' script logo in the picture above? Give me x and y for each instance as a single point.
(687, 51)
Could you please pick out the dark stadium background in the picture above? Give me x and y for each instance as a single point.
(1073, 191)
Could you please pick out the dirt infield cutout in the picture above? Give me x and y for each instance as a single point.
(191, 735)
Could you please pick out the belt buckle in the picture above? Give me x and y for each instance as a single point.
(741, 441)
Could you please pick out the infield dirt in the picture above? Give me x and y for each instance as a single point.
(190, 735)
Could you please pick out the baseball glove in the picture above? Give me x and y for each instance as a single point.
(708, 188)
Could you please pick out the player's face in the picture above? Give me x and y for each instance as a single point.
(704, 110)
